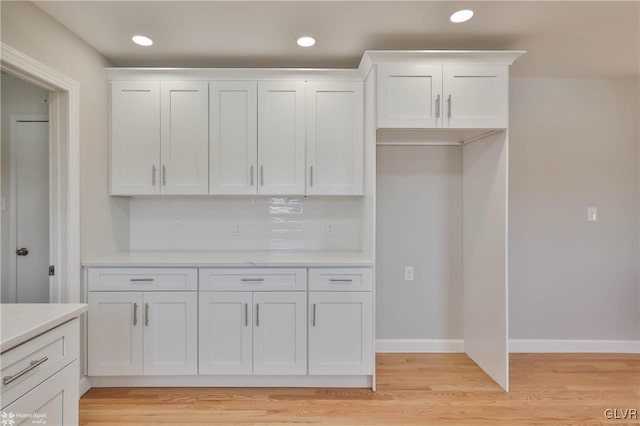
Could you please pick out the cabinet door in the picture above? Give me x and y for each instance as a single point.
(185, 137)
(409, 96)
(53, 402)
(281, 157)
(335, 144)
(341, 333)
(280, 333)
(476, 96)
(170, 333)
(115, 333)
(233, 131)
(135, 137)
(226, 322)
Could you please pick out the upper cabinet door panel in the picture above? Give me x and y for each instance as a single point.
(409, 96)
(233, 130)
(135, 137)
(281, 147)
(476, 96)
(185, 137)
(335, 144)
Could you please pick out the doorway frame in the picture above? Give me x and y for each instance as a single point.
(64, 143)
(12, 198)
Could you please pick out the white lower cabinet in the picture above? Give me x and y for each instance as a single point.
(136, 333)
(341, 333)
(262, 333)
(280, 336)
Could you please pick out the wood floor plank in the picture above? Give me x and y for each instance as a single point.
(413, 389)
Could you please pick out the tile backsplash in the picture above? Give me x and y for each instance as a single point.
(246, 223)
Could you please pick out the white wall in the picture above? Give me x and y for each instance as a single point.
(104, 220)
(574, 144)
(18, 97)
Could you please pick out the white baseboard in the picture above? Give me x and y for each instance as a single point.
(85, 385)
(574, 346)
(419, 345)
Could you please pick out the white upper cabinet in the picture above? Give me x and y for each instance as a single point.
(409, 95)
(335, 144)
(135, 137)
(233, 133)
(430, 96)
(477, 96)
(281, 147)
(185, 138)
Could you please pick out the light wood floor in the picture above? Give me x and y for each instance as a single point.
(413, 389)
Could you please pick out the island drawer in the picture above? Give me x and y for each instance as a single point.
(250, 279)
(340, 279)
(31, 363)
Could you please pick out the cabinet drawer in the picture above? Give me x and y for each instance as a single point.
(34, 361)
(248, 279)
(141, 279)
(340, 279)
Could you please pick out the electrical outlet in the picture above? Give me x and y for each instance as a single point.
(408, 273)
(237, 230)
(330, 229)
(592, 214)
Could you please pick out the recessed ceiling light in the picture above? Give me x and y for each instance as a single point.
(306, 41)
(142, 40)
(461, 16)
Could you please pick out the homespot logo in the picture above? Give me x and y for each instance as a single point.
(621, 413)
(10, 418)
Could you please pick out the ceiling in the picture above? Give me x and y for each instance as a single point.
(563, 38)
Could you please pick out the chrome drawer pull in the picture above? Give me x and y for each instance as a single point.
(33, 365)
(252, 280)
(141, 280)
(341, 280)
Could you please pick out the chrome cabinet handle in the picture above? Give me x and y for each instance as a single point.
(251, 175)
(141, 280)
(246, 314)
(153, 175)
(135, 314)
(257, 315)
(252, 280)
(311, 176)
(341, 280)
(146, 314)
(313, 316)
(438, 107)
(449, 106)
(164, 175)
(261, 176)
(34, 364)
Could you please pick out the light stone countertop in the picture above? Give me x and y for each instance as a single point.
(230, 258)
(24, 321)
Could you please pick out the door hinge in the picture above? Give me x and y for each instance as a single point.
(52, 270)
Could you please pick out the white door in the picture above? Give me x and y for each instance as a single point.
(340, 333)
(233, 130)
(281, 156)
(409, 96)
(476, 96)
(53, 402)
(335, 144)
(115, 333)
(185, 137)
(135, 137)
(170, 333)
(280, 333)
(226, 323)
(29, 271)
(485, 266)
